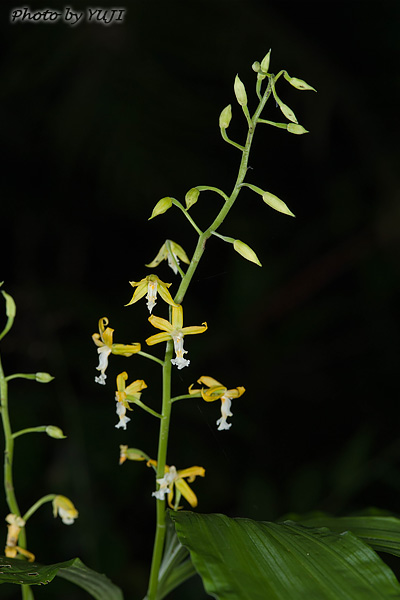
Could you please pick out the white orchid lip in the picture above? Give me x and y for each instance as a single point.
(179, 361)
(151, 295)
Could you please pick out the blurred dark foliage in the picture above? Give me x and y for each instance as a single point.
(97, 124)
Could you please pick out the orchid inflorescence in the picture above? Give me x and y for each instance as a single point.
(172, 483)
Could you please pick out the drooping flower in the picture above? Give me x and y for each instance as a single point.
(172, 478)
(65, 509)
(104, 341)
(176, 332)
(14, 526)
(150, 285)
(217, 391)
(126, 453)
(173, 256)
(124, 395)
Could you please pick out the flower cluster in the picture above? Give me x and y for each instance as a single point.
(174, 483)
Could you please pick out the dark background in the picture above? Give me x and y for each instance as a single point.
(97, 124)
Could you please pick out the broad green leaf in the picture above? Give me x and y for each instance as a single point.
(380, 532)
(96, 584)
(23, 572)
(241, 559)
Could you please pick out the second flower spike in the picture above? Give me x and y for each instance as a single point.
(150, 285)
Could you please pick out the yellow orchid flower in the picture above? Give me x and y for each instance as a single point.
(217, 391)
(15, 524)
(164, 254)
(150, 285)
(123, 395)
(176, 332)
(104, 341)
(65, 509)
(176, 478)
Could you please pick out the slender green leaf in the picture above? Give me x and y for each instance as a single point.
(382, 533)
(23, 572)
(241, 559)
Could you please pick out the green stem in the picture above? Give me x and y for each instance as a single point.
(147, 409)
(161, 460)
(11, 499)
(38, 504)
(40, 429)
(189, 218)
(8, 451)
(151, 357)
(176, 398)
(225, 137)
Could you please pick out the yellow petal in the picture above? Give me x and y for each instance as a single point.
(125, 349)
(210, 381)
(157, 338)
(180, 253)
(121, 378)
(192, 391)
(140, 291)
(213, 393)
(194, 329)
(97, 340)
(160, 323)
(164, 293)
(162, 255)
(192, 472)
(107, 337)
(177, 317)
(136, 386)
(186, 492)
(236, 393)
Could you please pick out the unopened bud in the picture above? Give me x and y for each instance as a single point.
(10, 305)
(276, 203)
(299, 84)
(289, 114)
(256, 66)
(265, 62)
(240, 92)
(191, 197)
(43, 377)
(161, 207)
(246, 252)
(225, 117)
(296, 128)
(55, 432)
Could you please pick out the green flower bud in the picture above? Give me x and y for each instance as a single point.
(161, 207)
(246, 252)
(296, 129)
(277, 204)
(43, 377)
(55, 432)
(256, 66)
(265, 62)
(225, 117)
(299, 84)
(240, 92)
(10, 305)
(289, 114)
(191, 197)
